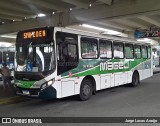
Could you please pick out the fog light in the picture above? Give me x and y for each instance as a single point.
(44, 86)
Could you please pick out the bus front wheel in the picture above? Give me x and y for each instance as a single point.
(85, 90)
(135, 80)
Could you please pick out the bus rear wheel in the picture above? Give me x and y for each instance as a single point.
(86, 90)
(135, 80)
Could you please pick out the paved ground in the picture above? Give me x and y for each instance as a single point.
(142, 101)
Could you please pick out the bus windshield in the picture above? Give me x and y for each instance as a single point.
(35, 57)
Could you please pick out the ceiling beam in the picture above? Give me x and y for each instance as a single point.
(10, 17)
(4, 20)
(29, 23)
(99, 13)
(108, 2)
(76, 3)
(12, 5)
(121, 9)
(150, 20)
(45, 4)
(130, 23)
(5, 39)
(109, 24)
(13, 12)
(26, 6)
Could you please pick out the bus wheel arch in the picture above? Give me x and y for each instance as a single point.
(135, 79)
(88, 82)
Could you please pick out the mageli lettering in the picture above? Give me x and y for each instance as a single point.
(113, 66)
(34, 34)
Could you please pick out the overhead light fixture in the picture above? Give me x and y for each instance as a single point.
(90, 5)
(106, 31)
(41, 15)
(70, 9)
(2, 22)
(8, 36)
(53, 12)
(5, 44)
(143, 40)
(13, 20)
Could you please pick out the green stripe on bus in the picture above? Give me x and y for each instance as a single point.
(26, 84)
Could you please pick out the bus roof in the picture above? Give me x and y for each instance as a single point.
(80, 32)
(96, 35)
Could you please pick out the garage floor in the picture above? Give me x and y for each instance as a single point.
(142, 101)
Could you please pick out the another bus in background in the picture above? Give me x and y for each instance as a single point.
(7, 56)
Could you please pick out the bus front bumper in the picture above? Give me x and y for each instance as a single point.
(47, 93)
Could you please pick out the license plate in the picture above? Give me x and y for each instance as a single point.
(25, 92)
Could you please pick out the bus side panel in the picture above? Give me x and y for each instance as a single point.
(129, 77)
(78, 82)
(140, 74)
(117, 79)
(67, 87)
(121, 78)
(124, 77)
(105, 81)
(147, 69)
(146, 73)
(57, 86)
(98, 82)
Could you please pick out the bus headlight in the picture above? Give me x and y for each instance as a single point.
(50, 82)
(45, 85)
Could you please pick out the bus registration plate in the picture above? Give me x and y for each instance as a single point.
(25, 92)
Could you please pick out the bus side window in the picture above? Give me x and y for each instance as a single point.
(129, 51)
(118, 50)
(105, 49)
(137, 51)
(144, 52)
(89, 48)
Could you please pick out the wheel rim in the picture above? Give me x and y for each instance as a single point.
(86, 90)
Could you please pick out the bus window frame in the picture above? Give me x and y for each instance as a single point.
(142, 51)
(132, 48)
(97, 46)
(111, 48)
(135, 51)
(150, 52)
(120, 42)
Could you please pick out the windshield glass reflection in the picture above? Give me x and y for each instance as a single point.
(35, 58)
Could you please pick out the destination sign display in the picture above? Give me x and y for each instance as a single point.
(34, 34)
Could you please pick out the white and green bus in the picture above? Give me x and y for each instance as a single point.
(55, 62)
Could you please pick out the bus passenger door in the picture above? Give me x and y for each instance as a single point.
(67, 60)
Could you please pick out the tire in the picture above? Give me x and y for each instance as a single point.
(86, 90)
(135, 80)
